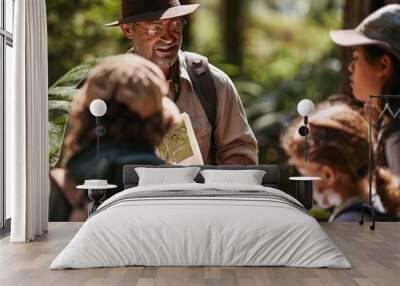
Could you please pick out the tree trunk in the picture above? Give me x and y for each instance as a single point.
(187, 36)
(232, 33)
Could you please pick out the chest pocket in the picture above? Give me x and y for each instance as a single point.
(202, 130)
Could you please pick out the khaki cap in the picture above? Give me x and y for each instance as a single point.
(381, 28)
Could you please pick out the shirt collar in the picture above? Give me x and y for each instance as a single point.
(343, 206)
(183, 73)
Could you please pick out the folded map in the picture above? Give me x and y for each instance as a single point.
(179, 145)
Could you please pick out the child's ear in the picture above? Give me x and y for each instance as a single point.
(127, 30)
(328, 175)
(385, 67)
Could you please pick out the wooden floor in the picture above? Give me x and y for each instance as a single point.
(375, 257)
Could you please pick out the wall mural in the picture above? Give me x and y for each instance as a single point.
(123, 91)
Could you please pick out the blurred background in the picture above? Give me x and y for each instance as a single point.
(276, 51)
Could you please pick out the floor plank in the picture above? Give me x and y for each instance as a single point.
(374, 255)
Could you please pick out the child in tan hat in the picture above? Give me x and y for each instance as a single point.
(138, 116)
(134, 90)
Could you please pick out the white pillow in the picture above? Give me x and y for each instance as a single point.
(247, 177)
(163, 176)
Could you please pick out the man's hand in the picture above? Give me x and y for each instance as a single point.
(170, 110)
(67, 185)
(388, 188)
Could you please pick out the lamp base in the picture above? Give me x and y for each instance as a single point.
(96, 196)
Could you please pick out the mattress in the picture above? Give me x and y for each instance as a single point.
(201, 225)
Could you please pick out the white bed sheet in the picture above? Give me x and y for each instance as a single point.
(200, 232)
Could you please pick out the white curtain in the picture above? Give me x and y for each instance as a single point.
(26, 124)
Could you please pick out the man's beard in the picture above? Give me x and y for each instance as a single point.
(166, 62)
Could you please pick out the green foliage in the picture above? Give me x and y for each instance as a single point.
(321, 214)
(60, 97)
(76, 33)
(71, 78)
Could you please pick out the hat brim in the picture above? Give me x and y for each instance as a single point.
(350, 38)
(173, 12)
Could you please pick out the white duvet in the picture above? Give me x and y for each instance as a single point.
(188, 231)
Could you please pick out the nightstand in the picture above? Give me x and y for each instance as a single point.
(96, 192)
(304, 190)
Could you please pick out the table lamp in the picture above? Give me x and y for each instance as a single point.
(305, 108)
(97, 188)
(98, 108)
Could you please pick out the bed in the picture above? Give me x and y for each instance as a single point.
(201, 224)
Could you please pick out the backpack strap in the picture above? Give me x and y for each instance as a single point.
(204, 86)
(203, 83)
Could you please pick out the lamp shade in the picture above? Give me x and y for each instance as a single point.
(305, 107)
(98, 107)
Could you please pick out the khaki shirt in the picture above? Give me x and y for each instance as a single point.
(233, 135)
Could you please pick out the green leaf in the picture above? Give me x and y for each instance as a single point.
(62, 93)
(58, 111)
(60, 97)
(56, 136)
(74, 76)
(59, 105)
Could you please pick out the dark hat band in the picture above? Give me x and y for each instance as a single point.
(139, 10)
(131, 8)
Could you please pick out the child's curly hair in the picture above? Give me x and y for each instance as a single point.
(339, 138)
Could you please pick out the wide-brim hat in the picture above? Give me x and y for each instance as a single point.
(381, 28)
(152, 10)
